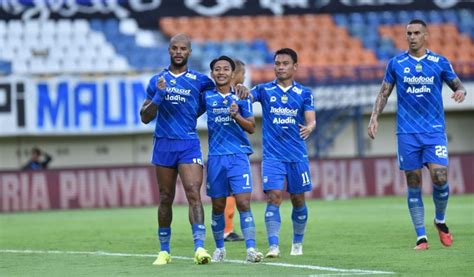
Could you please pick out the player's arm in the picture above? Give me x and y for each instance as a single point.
(150, 106)
(379, 105)
(247, 123)
(459, 92)
(47, 160)
(310, 120)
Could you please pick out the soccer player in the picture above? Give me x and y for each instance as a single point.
(173, 98)
(228, 166)
(229, 234)
(288, 120)
(419, 74)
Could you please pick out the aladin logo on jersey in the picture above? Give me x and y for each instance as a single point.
(223, 119)
(288, 120)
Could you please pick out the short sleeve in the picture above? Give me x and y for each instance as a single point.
(390, 73)
(256, 94)
(308, 100)
(245, 107)
(206, 84)
(447, 71)
(151, 88)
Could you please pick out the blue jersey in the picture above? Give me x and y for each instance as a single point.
(177, 114)
(225, 134)
(282, 112)
(419, 82)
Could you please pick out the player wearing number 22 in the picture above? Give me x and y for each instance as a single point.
(288, 119)
(419, 74)
(228, 166)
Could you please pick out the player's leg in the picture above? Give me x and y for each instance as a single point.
(410, 160)
(436, 156)
(190, 170)
(217, 225)
(217, 189)
(229, 233)
(273, 176)
(299, 182)
(240, 179)
(166, 174)
(416, 207)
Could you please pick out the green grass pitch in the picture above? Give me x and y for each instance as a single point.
(372, 235)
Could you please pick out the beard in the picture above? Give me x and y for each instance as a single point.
(183, 62)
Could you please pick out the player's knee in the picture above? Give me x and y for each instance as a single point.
(413, 179)
(440, 176)
(243, 205)
(166, 199)
(297, 200)
(274, 198)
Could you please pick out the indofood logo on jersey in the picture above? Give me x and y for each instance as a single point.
(179, 92)
(420, 80)
(290, 113)
(224, 118)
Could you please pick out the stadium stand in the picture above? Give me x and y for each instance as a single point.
(347, 48)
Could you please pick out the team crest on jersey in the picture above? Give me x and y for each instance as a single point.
(418, 68)
(297, 90)
(191, 76)
(406, 70)
(284, 99)
(273, 99)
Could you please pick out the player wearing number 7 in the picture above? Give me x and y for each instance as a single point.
(419, 74)
(228, 166)
(288, 119)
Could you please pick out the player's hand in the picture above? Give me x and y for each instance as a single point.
(161, 83)
(233, 109)
(372, 129)
(241, 91)
(459, 96)
(305, 131)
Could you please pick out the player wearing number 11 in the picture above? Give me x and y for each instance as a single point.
(419, 74)
(288, 119)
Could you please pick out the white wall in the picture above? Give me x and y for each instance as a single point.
(81, 151)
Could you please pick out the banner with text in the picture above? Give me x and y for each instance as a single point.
(73, 105)
(136, 186)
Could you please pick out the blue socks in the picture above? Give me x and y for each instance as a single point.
(299, 216)
(273, 223)
(199, 235)
(247, 224)
(440, 199)
(417, 211)
(218, 225)
(164, 235)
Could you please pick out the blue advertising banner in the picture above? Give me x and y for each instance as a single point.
(72, 105)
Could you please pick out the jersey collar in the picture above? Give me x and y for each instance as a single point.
(176, 75)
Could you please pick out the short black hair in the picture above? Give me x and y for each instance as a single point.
(36, 151)
(287, 51)
(418, 21)
(223, 58)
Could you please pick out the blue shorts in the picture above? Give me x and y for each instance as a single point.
(228, 174)
(172, 152)
(297, 176)
(416, 150)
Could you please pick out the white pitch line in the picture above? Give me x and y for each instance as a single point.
(341, 271)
